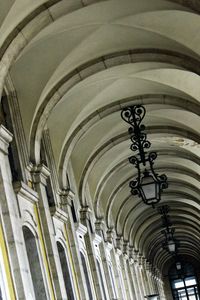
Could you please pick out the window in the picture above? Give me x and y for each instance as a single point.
(184, 284)
(86, 276)
(49, 193)
(112, 280)
(13, 155)
(101, 279)
(73, 211)
(34, 264)
(65, 271)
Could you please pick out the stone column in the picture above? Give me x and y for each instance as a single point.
(104, 256)
(138, 275)
(155, 285)
(161, 289)
(134, 279)
(85, 219)
(149, 277)
(122, 289)
(145, 276)
(40, 174)
(141, 276)
(66, 198)
(124, 259)
(160, 286)
(12, 225)
(114, 257)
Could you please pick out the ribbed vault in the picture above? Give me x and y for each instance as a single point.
(74, 65)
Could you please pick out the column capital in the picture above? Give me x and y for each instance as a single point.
(66, 196)
(110, 235)
(100, 228)
(131, 252)
(119, 242)
(40, 173)
(148, 266)
(100, 224)
(131, 261)
(5, 139)
(126, 249)
(136, 256)
(144, 262)
(85, 212)
(140, 259)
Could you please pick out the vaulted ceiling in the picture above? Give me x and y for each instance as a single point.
(74, 65)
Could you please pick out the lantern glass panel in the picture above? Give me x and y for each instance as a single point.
(149, 187)
(171, 246)
(178, 265)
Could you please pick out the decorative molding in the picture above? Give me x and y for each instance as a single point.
(100, 224)
(18, 128)
(40, 173)
(126, 248)
(109, 246)
(97, 239)
(66, 196)
(60, 215)
(80, 229)
(50, 158)
(119, 243)
(85, 212)
(5, 139)
(110, 235)
(23, 190)
(31, 217)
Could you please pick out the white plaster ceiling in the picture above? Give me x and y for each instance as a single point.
(75, 64)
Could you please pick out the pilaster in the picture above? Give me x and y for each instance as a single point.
(40, 173)
(18, 128)
(66, 196)
(11, 223)
(100, 227)
(124, 260)
(118, 267)
(132, 280)
(85, 219)
(149, 276)
(136, 268)
(146, 276)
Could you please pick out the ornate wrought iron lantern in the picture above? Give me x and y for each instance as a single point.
(148, 185)
(170, 244)
(178, 265)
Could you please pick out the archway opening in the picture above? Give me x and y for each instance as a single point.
(85, 270)
(34, 264)
(65, 271)
(184, 281)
